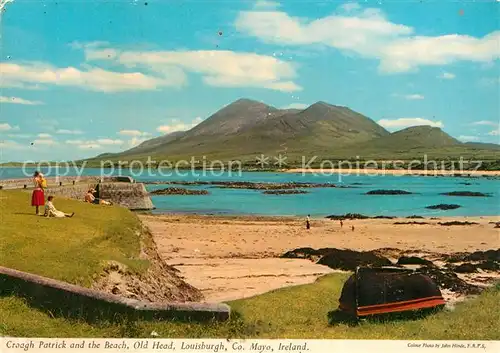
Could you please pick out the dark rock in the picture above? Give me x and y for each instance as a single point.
(415, 217)
(348, 260)
(414, 260)
(347, 216)
(352, 216)
(443, 206)
(489, 266)
(466, 193)
(388, 192)
(178, 191)
(447, 279)
(457, 223)
(284, 192)
(465, 268)
(416, 223)
(489, 255)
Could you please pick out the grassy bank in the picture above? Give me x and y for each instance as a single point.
(297, 312)
(75, 249)
(68, 249)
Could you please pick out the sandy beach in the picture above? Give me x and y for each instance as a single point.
(397, 172)
(230, 258)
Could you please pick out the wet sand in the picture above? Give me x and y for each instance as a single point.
(230, 258)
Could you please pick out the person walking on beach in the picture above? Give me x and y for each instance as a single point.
(341, 224)
(308, 222)
(352, 228)
(38, 195)
(51, 211)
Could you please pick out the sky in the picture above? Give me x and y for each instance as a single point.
(81, 78)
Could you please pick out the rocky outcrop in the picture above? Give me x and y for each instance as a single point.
(284, 192)
(457, 223)
(352, 216)
(413, 222)
(178, 191)
(389, 192)
(414, 260)
(248, 185)
(348, 260)
(443, 206)
(466, 193)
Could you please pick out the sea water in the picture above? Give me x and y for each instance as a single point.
(318, 202)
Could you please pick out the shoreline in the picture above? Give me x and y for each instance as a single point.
(394, 172)
(229, 258)
(325, 171)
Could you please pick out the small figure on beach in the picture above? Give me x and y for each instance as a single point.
(51, 211)
(341, 224)
(38, 195)
(308, 222)
(352, 228)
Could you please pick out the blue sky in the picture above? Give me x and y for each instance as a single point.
(82, 78)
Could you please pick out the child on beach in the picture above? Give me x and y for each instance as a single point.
(51, 211)
(308, 222)
(38, 195)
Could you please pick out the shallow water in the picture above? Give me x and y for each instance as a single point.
(319, 202)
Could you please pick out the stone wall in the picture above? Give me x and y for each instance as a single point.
(67, 300)
(133, 196)
(27, 183)
(123, 191)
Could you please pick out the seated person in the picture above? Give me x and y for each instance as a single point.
(51, 211)
(90, 198)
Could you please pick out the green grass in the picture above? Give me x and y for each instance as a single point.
(295, 312)
(75, 249)
(69, 249)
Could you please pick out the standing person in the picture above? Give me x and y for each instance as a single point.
(308, 222)
(38, 195)
(341, 224)
(51, 211)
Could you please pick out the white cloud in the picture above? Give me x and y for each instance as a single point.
(468, 138)
(89, 146)
(12, 145)
(19, 136)
(407, 122)
(495, 132)
(109, 142)
(350, 6)
(44, 141)
(265, 4)
(367, 32)
(94, 79)
(447, 76)
(178, 126)
(69, 132)
(17, 100)
(295, 106)
(486, 123)
(135, 141)
(410, 96)
(8, 127)
(133, 133)
(219, 68)
(44, 136)
(75, 142)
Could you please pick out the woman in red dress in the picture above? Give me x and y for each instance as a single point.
(38, 196)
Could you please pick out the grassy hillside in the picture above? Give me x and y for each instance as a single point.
(68, 249)
(74, 250)
(296, 312)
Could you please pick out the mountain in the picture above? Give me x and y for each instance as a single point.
(414, 137)
(246, 128)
